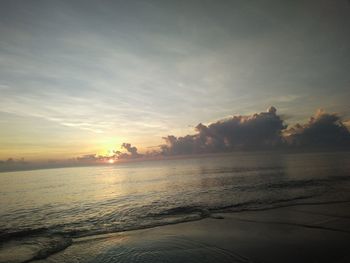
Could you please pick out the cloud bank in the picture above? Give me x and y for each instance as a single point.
(260, 131)
(323, 130)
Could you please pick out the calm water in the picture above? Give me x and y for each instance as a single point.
(47, 208)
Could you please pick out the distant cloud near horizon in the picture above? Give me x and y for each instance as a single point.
(322, 130)
(259, 131)
(132, 150)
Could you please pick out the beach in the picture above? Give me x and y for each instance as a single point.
(299, 233)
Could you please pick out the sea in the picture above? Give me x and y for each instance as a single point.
(43, 211)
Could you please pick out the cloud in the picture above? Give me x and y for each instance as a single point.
(130, 154)
(258, 131)
(261, 131)
(131, 149)
(322, 130)
(117, 155)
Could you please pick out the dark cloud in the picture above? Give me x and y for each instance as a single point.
(131, 149)
(261, 131)
(323, 130)
(258, 131)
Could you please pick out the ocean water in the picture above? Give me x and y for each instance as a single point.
(43, 211)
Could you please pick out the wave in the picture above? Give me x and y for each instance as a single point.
(6, 235)
(184, 210)
(253, 205)
(43, 242)
(33, 248)
(308, 182)
(241, 169)
(292, 184)
(175, 214)
(53, 245)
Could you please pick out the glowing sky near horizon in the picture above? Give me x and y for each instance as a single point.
(79, 77)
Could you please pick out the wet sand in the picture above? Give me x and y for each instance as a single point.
(301, 233)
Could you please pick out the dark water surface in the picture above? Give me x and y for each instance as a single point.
(42, 211)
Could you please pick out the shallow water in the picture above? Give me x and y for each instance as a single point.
(42, 210)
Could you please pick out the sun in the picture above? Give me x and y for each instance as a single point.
(110, 161)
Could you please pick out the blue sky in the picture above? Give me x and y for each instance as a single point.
(83, 77)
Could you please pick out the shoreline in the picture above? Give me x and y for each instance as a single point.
(306, 233)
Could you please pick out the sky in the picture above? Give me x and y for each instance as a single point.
(84, 77)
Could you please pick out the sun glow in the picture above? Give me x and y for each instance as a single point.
(110, 161)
